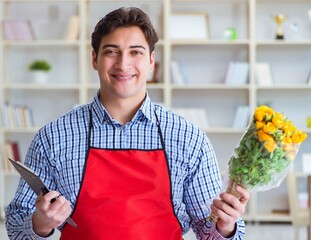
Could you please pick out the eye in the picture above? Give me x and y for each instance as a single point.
(136, 52)
(110, 52)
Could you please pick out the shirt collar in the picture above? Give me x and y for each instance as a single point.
(100, 114)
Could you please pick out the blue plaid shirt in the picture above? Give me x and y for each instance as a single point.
(57, 154)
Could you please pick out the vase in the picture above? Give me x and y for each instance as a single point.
(40, 76)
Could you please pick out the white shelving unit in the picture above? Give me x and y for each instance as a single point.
(72, 80)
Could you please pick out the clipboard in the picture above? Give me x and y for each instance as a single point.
(35, 183)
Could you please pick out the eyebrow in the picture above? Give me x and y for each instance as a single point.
(116, 46)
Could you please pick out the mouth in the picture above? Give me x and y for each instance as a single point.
(123, 77)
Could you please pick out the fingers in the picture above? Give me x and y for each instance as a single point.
(60, 207)
(229, 206)
(245, 195)
(225, 211)
(46, 199)
(234, 201)
(53, 208)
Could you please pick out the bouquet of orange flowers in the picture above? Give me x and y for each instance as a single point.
(262, 158)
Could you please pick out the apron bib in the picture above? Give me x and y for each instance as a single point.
(125, 194)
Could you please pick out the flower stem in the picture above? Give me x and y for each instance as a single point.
(230, 189)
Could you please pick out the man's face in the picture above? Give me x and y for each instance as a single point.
(123, 64)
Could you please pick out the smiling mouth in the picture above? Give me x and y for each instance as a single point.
(122, 77)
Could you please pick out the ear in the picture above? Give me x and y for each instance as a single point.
(152, 61)
(94, 60)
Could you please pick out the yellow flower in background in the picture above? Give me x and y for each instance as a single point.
(288, 128)
(270, 145)
(278, 120)
(263, 136)
(298, 137)
(269, 128)
(287, 140)
(263, 113)
(259, 124)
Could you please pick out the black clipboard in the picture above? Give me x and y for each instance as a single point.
(35, 182)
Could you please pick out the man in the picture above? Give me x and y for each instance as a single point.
(129, 168)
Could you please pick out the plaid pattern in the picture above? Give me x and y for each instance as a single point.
(57, 154)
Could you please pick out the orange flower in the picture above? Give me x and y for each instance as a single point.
(263, 136)
(263, 113)
(278, 120)
(269, 128)
(287, 140)
(298, 137)
(288, 128)
(259, 124)
(270, 145)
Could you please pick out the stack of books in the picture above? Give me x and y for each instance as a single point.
(237, 73)
(195, 115)
(241, 118)
(16, 116)
(18, 30)
(178, 74)
(10, 149)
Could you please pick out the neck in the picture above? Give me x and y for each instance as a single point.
(122, 110)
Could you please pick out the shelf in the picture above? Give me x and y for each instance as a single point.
(282, 1)
(225, 131)
(302, 174)
(272, 217)
(41, 1)
(210, 87)
(211, 1)
(37, 43)
(278, 87)
(45, 86)
(209, 42)
(73, 82)
(283, 42)
(21, 130)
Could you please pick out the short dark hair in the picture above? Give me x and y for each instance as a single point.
(124, 17)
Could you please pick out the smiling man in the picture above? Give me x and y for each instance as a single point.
(122, 166)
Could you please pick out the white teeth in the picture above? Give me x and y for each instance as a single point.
(123, 77)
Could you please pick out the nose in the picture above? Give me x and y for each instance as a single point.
(123, 62)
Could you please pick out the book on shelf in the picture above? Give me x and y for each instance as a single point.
(183, 71)
(306, 162)
(263, 74)
(195, 115)
(241, 117)
(237, 73)
(16, 116)
(11, 150)
(73, 28)
(153, 76)
(18, 30)
(309, 79)
(178, 73)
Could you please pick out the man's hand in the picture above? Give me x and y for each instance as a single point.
(51, 211)
(229, 208)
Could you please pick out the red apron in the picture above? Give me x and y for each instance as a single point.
(125, 194)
